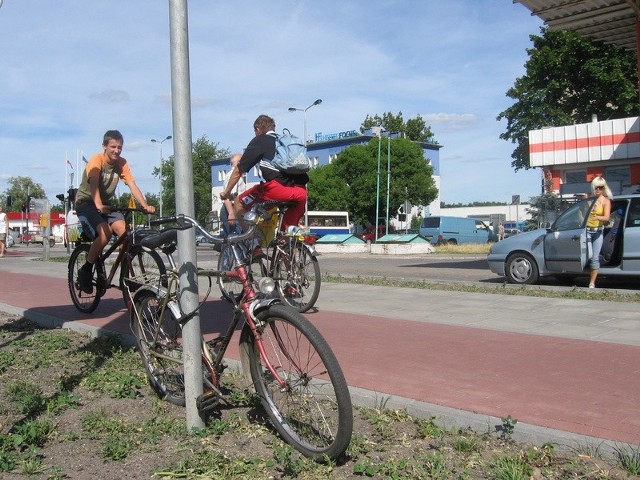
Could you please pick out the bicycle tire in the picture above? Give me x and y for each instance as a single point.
(146, 266)
(162, 356)
(314, 412)
(231, 289)
(85, 302)
(298, 279)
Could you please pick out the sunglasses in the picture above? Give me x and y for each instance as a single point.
(599, 188)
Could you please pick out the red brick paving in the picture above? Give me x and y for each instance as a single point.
(584, 387)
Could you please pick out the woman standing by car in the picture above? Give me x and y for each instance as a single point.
(598, 218)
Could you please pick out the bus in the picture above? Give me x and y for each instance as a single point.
(326, 222)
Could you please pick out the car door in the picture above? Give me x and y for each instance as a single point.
(631, 239)
(565, 245)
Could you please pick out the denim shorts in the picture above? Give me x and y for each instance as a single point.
(91, 218)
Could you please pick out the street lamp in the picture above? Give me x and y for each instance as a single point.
(304, 110)
(160, 142)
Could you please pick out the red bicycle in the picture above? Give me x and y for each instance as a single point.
(295, 374)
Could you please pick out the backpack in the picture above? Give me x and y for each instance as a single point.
(291, 154)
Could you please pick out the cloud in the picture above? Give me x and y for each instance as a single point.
(111, 96)
(450, 122)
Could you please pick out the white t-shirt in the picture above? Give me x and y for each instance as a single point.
(3, 222)
(240, 187)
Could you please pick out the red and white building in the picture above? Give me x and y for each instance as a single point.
(22, 222)
(571, 156)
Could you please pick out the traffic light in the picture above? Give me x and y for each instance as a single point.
(9, 201)
(29, 197)
(60, 197)
(72, 194)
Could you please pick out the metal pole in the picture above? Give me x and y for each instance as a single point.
(378, 188)
(168, 137)
(388, 180)
(181, 110)
(304, 129)
(160, 180)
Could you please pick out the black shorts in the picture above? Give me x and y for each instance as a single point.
(90, 218)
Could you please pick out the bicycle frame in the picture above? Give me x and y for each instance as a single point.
(244, 310)
(125, 241)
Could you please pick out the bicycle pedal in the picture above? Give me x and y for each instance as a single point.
(207, 401)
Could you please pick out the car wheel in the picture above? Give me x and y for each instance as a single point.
(522, 269)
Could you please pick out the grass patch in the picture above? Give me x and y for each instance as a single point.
(465, 249)
(576, 293)
(87, 409)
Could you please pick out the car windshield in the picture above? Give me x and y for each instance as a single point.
(574, 217)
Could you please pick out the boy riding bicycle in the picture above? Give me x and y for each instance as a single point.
(277, 186)
(94, 197)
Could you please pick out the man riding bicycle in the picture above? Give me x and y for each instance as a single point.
(278, 186)
(94, 197)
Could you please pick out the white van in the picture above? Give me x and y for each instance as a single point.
(456, 230)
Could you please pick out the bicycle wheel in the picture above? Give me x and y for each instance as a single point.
(146, 267)
(297, 277)
(157, 340)
(312, 412)
(85, 302)
(231, 289)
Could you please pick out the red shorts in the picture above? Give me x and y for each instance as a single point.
(274, 190)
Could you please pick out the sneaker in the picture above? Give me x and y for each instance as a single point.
(591, 285)
(85, 280)
(258, 255)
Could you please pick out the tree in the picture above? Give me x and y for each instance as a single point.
(203, 152)
(350, 183)
(414, 129)
(19, 189)
(544, 209)
(569, 78)
(327, 191)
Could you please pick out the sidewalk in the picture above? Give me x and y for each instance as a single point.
(567, 370)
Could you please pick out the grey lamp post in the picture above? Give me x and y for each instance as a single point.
(160, 142)
(304, 111)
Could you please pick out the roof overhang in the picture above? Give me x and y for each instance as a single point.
(610, 21)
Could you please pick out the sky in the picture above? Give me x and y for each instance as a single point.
(70, 70)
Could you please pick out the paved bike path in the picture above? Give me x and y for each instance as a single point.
(567, 370)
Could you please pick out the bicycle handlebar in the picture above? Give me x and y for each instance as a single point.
(257, 212)
(127, 209)
(184, 222)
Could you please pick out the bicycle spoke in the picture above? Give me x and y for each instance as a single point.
(85, 302)
(158, 342)
(308, 399)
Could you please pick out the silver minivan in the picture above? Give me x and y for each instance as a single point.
(561, 250)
